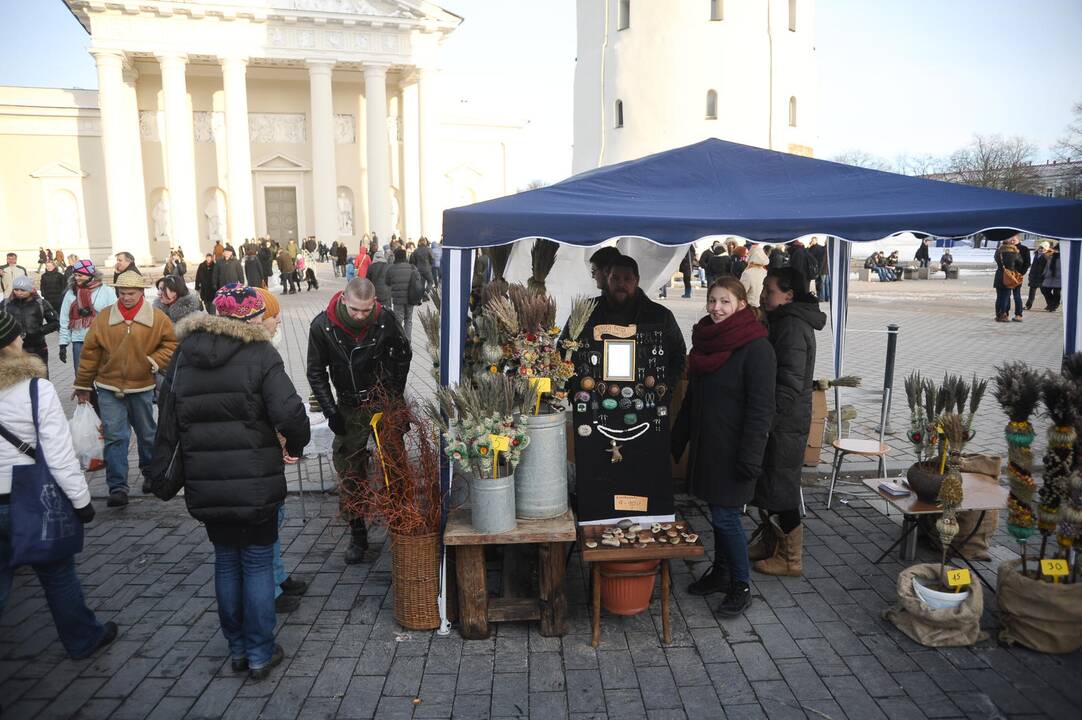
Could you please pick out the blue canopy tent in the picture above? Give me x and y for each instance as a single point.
(715, 187)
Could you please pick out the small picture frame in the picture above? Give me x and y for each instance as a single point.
(619, 360)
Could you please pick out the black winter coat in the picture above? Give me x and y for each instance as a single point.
(204, 281)
(35, 316)
(1007, 261)
(818, 253)
(232, 396)
(802, 261)
(381, 357)
(726, 417)
(253, 271)
(792, 334)
(266, 261)
(226, 272)
(377, 274)
(53, 286)
(1036, 270)
(399, 277)
(422, 258)
(719, 265)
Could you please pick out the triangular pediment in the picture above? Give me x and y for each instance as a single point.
(281, 163)
(57, 170)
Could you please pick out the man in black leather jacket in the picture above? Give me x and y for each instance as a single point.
(355, 345)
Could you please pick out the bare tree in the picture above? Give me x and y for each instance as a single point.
(923, 164)
(860, 158)
(1069, 149)
(992, 161)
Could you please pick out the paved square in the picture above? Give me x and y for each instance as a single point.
(812, 647)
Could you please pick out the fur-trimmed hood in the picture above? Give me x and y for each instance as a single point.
(15, 369)
(211, 341)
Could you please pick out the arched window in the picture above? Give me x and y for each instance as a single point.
(623, 15)
(717, 9)
(792, 15)
(792, 111)
(711, 105)
(618, 114)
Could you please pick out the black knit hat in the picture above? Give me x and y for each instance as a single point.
(9, 329)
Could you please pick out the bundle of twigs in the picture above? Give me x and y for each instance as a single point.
(1061, 402)
(582, 307)
(430, 322)
(1071, 527)
(1018, 392)
(404, 493)
(542, 258)
(955, 435)
(536, 311)
(851, 381)
(498, 257)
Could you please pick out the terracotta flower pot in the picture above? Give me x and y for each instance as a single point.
(626, 587)
(924, 480)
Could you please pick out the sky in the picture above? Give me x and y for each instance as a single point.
(895, 76)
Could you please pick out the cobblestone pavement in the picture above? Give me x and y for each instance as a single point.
(812, 647)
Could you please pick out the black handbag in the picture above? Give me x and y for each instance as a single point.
(44, 526)
(166, 469)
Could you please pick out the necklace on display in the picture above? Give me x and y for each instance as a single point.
(623, 435)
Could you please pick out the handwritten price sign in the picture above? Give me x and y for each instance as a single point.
(958, 578)
(1055, 569)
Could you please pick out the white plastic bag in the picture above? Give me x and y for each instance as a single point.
(86, 437)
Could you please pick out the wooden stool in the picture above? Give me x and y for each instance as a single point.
(475, 609)
(863, 448)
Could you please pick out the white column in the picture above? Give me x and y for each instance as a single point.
(378, 145)
(179, 156)
(114, 148)
(426, 149)
(141, 245)
(324, 183)
(410, 175)
(238, 151)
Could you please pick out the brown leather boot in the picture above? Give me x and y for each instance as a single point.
(787, 557)
(762, 542)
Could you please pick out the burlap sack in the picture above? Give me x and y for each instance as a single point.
(1037, 614)
(935, 628)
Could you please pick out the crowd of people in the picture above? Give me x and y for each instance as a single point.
(237, 414)
(750, 262)
(746, 415)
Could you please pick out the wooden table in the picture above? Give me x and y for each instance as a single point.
(476, 610)
(655, 551)
(977, 495)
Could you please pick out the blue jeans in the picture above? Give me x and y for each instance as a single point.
(280, 574)
(76, 625)
(1003, 301)
(885, 275)
(119, 416)
(244, 585)
(726, 522)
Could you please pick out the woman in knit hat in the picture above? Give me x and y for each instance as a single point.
(86, 297)
(20, 374)
(232, 400)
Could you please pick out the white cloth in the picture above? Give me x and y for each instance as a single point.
(322, 437)
(55, 439)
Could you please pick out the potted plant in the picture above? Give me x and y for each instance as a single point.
(484, 426)
(404, 495)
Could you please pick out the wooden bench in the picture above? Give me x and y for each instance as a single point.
(476, 609)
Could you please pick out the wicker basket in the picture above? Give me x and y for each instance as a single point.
(415, 578)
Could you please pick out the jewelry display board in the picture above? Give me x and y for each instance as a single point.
(620, 405)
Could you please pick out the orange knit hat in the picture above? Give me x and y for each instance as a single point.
(274, 309)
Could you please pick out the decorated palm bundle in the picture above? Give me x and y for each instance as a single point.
(542, 258)
(955, 436)
(1071, 526)
(1061, 401)
(1018, 391)
(582, 307)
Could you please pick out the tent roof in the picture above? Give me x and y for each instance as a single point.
(716, 187)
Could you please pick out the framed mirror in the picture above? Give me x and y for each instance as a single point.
(619, 361)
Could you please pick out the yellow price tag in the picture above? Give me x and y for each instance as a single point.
(541, 386)
(958, 578)
(500, 443)
(1055, 569)
(374, 424)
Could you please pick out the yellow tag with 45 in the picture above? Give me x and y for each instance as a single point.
(958, 578)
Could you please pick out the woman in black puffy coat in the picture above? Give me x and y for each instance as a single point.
(793, 315)
(52, 285)
(232, 399)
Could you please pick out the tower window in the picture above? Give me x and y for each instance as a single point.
(792, 15)
(792, 112)
(711, 105)
(623, 15)
(619, 114)
(717, 9)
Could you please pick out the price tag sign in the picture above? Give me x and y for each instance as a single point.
(542, 385)
(1055, 569)
(958, 578)
(500, 443)
(376, 417)
(374, 423)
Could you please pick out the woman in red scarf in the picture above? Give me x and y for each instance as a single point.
(726, 418)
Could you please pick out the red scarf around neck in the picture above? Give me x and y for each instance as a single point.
(84, 298)
(712, 344)
(129, 315)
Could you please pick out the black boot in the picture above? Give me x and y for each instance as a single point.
(736, 601)
(358, 550)
(716, 579)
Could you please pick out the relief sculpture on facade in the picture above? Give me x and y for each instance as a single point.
(345, 132)
(277, 128)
